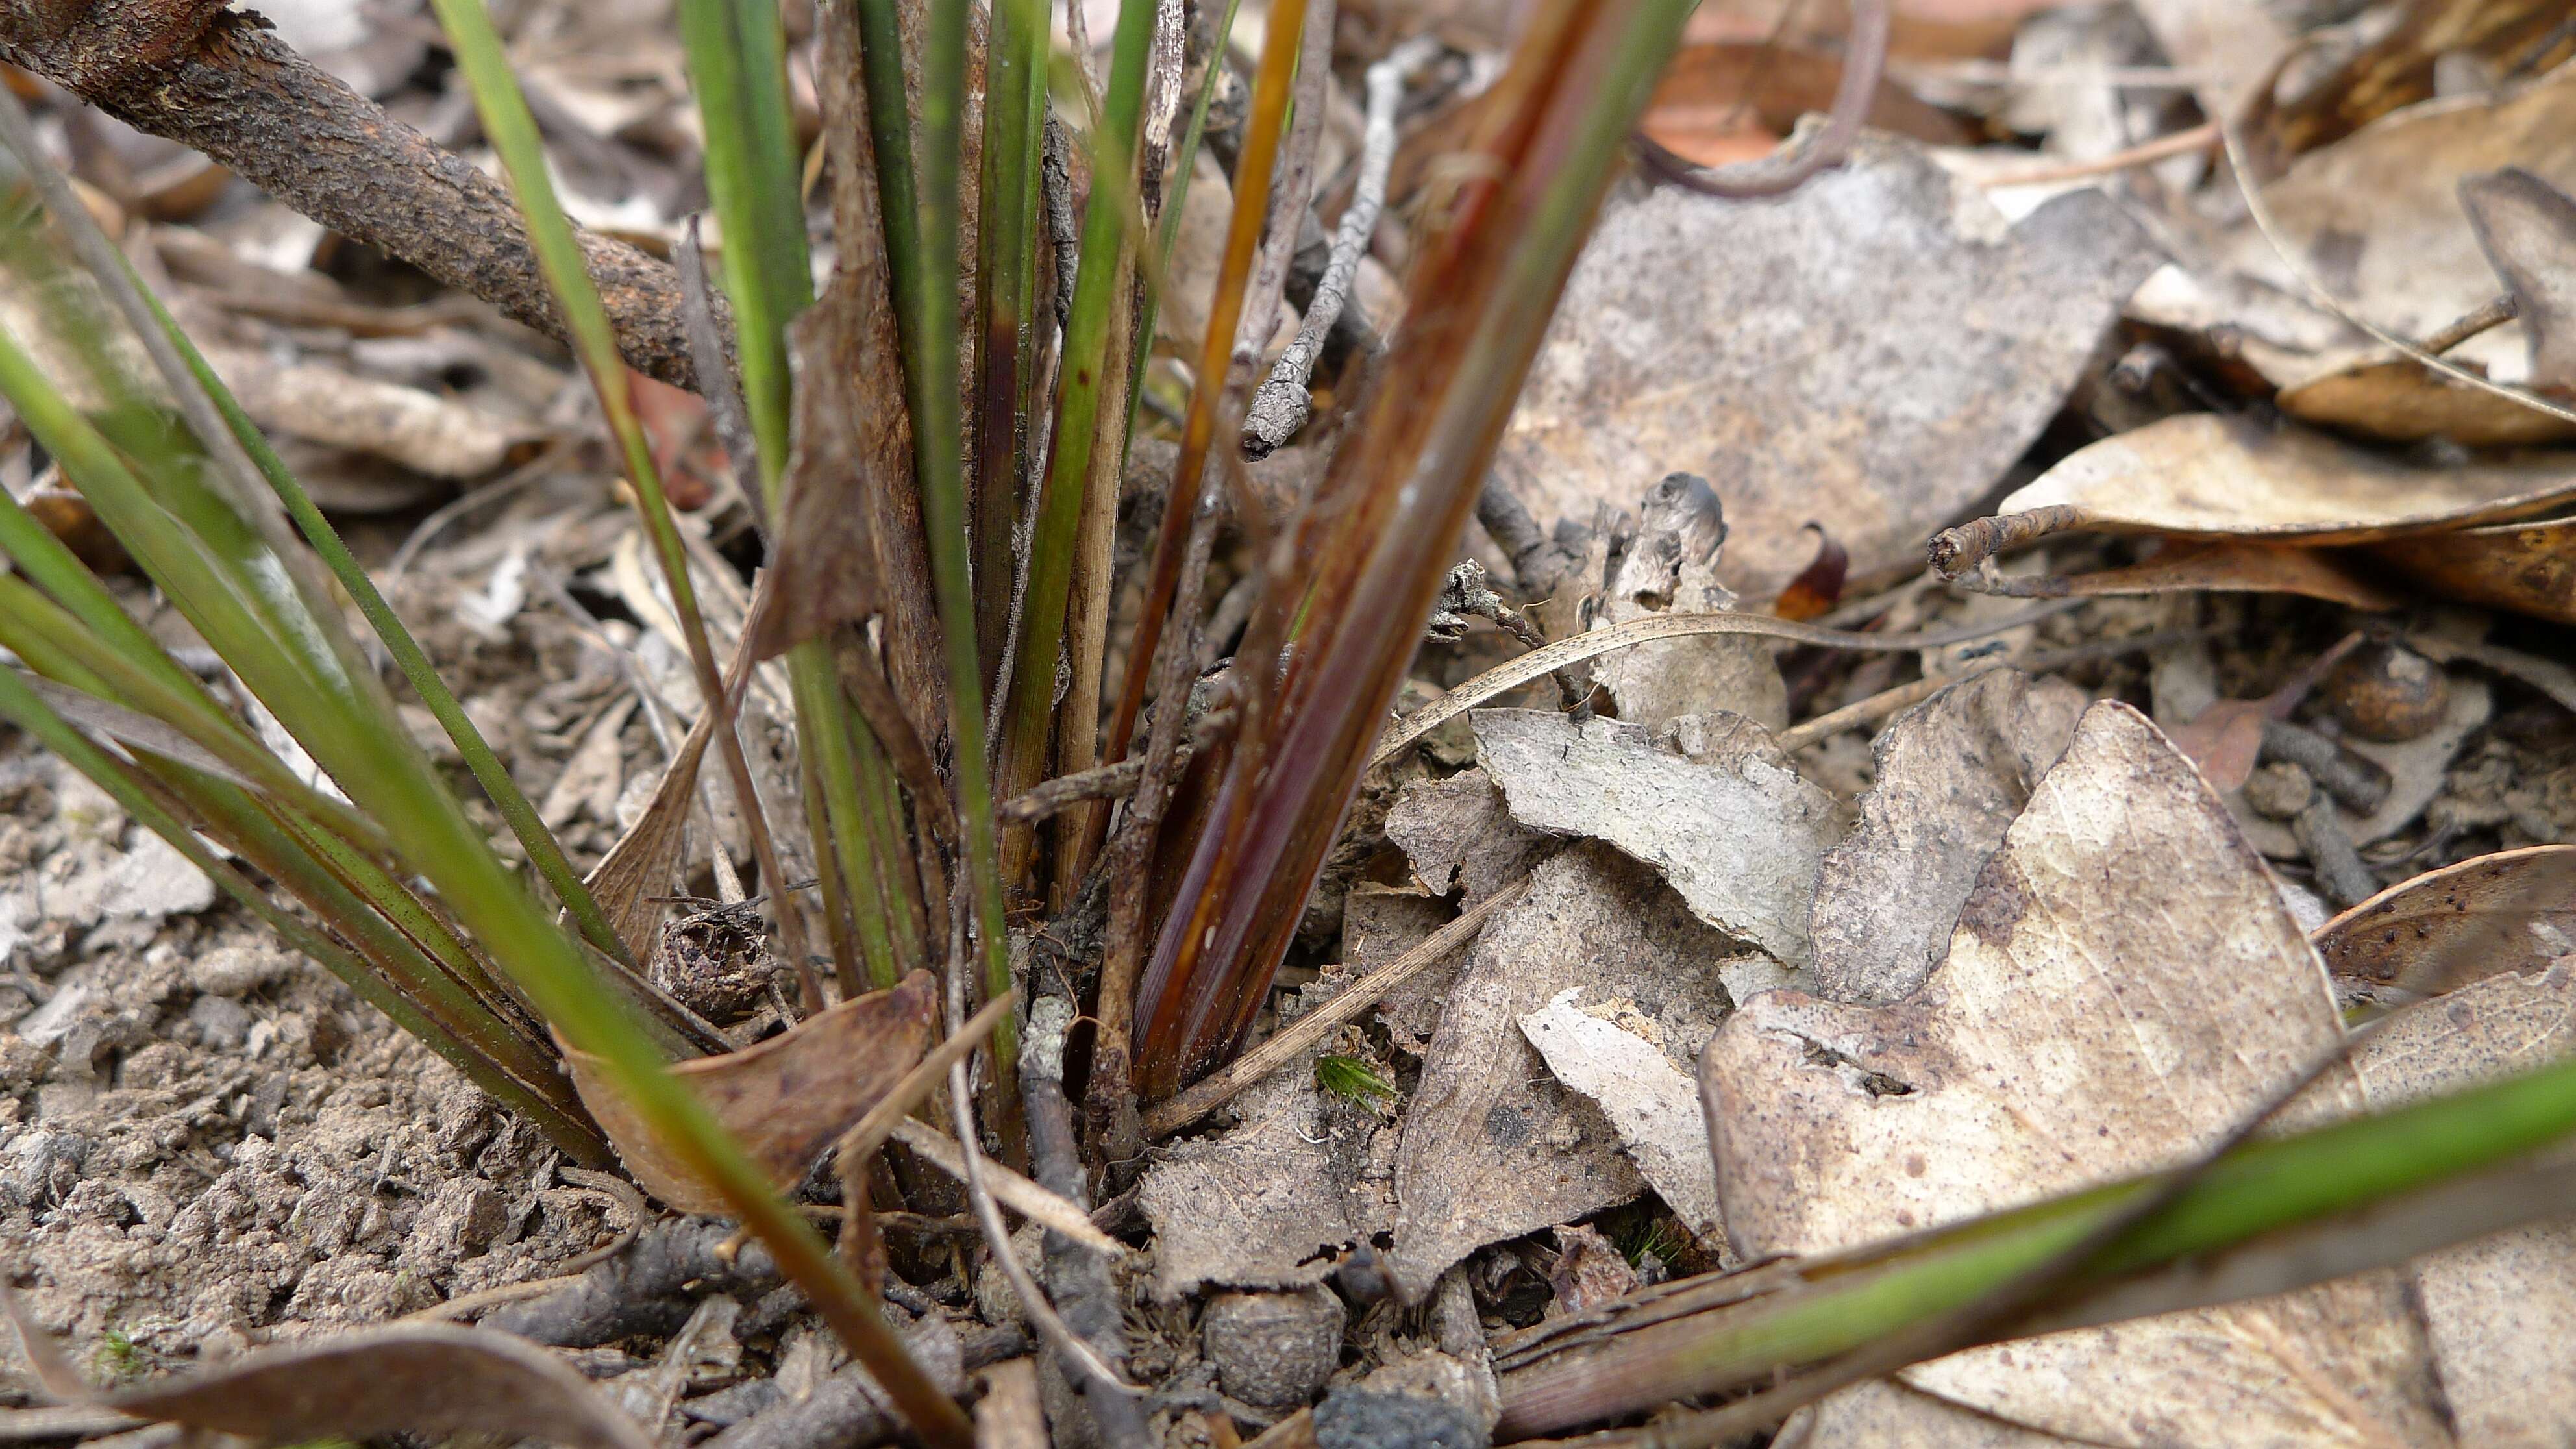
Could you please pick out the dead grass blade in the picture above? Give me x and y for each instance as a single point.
(785, 1099)
(426, 1378)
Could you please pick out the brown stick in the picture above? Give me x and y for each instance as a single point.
(1344, 1005)
(219, 81)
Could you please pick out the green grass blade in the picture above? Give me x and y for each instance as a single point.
(513, 133)
(544, 852)
(1006, 275)
(737, 65)
(1082, 379)
(937, 439)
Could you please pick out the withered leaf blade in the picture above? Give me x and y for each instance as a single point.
(2513, 911)
(785, 1099)
(431, 1379)
(638, 869)
(2527, 228)
(2529, 568)
(850, 424)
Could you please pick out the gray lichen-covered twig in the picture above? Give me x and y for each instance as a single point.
(217, 80)
(1283, 404)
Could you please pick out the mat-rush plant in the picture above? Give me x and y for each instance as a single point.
(936, 463)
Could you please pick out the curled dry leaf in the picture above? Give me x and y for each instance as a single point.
(1734, 101)
(2235, 484)
(785, 1099)
(428, 1379)
(1711, 803)
(2122, 988)
(639, 869)
(1718, 338)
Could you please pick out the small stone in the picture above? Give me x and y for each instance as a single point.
(1274, 1350)
(221, 1020)
(1431, 1401)
(237, 970)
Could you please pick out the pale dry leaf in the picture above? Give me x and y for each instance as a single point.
(2376, 219)
(2208, 475)
(1460, 835)
(1493, 1147)
(785, 1099)
(2499, 1311)
(1712, 804)
(1952, 775)
(336, 409)
(2122, 987)
(1869, 353)
(1647, 1100)
(593, 777)
(2226, 44)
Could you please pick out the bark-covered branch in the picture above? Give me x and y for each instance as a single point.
(220, 82)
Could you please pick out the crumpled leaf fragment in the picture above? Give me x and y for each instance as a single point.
(1952, 775)
(1273, 1202)
(785, 1099)
(431, 1379)
(1648, 1101)
(2527, 228)
(1743, 360)
(1711, 803)
(1460, 835)
(1670, 566)
(1493, 1147)
(2122, 988)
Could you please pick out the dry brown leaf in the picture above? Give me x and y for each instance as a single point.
(337, 409)
(428, 1379)
(2376, 218)
(785, 1099)
(852, 438)
(1952, 774)
(2396, 69)
(1868, 353)
(1712, 804)
(2123, 986)
(640, 867)
(2223, 567)
(1493, 1147)
(1460, 835)
(1731, 102)
(2206, 475)
(2514, 911)
(2400, 400)
(2529, 568)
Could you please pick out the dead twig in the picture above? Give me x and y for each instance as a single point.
(1108, 782)
(2180, 143)
(1290, 196)
(1864, 60)
(219, 81)
(1887, 702)
(1283, 404)
(1286, 1044)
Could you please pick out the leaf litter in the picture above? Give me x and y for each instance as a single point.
(1877, 355)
